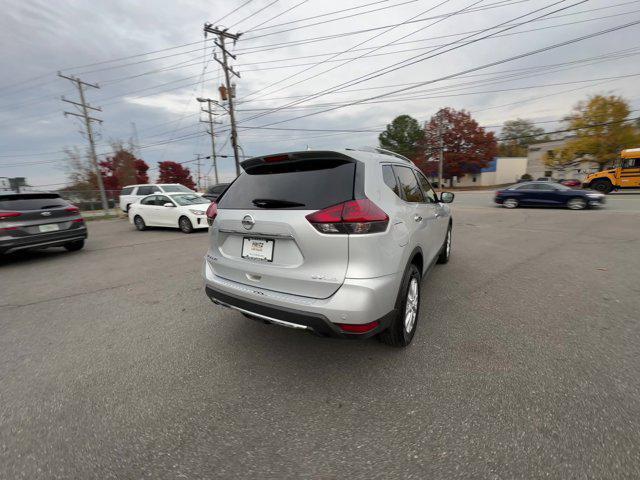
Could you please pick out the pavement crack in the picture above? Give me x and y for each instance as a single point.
(73, 295)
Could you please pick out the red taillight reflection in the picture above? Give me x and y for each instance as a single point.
(352, 328)
(212, 212)
(354, 216)
(5, 215)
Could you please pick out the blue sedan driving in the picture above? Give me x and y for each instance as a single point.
(548, 194)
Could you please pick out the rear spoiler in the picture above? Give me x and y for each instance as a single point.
(294, 157)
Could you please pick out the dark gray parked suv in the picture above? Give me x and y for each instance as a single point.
(39, 220)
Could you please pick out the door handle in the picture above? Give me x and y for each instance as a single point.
(417, 218)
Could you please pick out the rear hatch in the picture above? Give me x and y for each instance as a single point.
(36, 213)
(261, 237)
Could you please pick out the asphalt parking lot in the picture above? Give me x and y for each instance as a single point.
(114, 364)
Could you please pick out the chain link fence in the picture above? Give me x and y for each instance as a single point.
(90, 200)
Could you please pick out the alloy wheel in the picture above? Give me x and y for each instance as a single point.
(411, 308)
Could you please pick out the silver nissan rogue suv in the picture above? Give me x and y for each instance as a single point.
(335, 242)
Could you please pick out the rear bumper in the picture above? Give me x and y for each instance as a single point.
(357, 302)
(54, 239)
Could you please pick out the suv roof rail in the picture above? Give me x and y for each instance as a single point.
(383, 151)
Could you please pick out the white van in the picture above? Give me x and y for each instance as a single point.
(133, 193)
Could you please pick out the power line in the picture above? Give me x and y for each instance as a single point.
(253, 14)
(395, 52)
(345, 51)
(276, 16)
(305, 41)
(470, 70)
(417, 58)
(233, 11)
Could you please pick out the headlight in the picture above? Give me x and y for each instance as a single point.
(197, 212)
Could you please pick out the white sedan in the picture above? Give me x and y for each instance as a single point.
(185, 211)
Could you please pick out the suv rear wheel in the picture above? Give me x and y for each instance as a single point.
(403, 326)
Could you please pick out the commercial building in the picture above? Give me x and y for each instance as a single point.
(537, 168)
(500, 171)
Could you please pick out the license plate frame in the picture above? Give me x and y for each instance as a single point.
(49, 227)
(259, 249)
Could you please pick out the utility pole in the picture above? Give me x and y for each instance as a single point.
(441, 149)
(222, 36)
(84, 108)
(198, 164)
(211, 123)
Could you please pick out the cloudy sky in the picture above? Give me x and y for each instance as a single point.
(305, 65)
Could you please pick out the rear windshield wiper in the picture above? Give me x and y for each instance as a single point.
(274, 203)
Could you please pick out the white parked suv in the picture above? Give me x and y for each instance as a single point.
(335, 242)
(133, 193)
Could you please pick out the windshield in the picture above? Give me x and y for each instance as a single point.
(189, 199)
(176, 188)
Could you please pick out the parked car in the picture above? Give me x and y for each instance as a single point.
(133, 193)
(571, 182)
(547, 194)
(186, 211)
(335, 242)
(215, 191)
(39, 220)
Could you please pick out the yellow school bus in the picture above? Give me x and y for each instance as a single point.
(626, 174)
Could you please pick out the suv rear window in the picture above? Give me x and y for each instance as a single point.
(303, 185)
(31, 201)
(147, 190)
(176, 188)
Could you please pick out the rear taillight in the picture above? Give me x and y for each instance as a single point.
(212, 212)
(353, 328)
(353, 217)
(72, 209)
(78, 220)
(5, 215)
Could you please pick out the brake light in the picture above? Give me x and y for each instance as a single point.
(78, 220)
(5, 215)
(352, 217)
(72, 209)
(212, 212)
(363, 328)
(276, 158)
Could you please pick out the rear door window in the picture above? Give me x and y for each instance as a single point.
(126, 191)
(303, 185)
(409, 184)
(31, 202)
(390, 179)
(146, 190)
(149, 200)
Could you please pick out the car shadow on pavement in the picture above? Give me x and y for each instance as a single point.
(31, 256)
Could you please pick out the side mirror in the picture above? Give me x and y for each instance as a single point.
(169, 204)
(446, 197)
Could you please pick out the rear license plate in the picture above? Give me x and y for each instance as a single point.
(257, 249)
(52, 227)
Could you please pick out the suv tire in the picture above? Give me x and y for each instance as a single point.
(403, 326)
(445, 250)
(601, 185)
(74, 246)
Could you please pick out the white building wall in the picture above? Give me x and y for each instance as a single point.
(508, 170)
